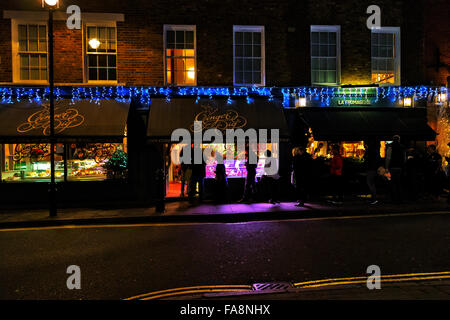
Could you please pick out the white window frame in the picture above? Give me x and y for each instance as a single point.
(327, 28)
(179, 27)
(15, 50)
(85, 54)
(397, 48)
(241, 28)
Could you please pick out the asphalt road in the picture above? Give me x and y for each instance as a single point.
(120, 262)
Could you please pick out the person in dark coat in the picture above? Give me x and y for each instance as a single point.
(373, 161)
(336, 175)
(412, 165)
(197, 177)
(221, 182)
(433, 172)
(250, 184)
(271, 178)
(395, 162)
(302, 164)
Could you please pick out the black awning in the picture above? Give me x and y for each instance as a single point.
(25, 121)
(165, 116)
(355, 124)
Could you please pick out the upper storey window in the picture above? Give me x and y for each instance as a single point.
(180, 55)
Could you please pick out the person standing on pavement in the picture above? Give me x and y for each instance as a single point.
(197, 177)
(395, 162)
(336, 170)
(412, 172)
(221, 182)
(302, 164)
(433, 172)
(271, 178)
(372, 157)
(250, 184)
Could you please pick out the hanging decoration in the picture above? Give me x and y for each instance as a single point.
(145, 94)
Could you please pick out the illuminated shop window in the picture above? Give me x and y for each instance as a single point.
(234, 168)
(85, 161)
(32, 52)
(96, 161)
(101, 53)
(30, 162)
(248, 42)
(349, 149)
(180, 57)
(353, 149)
(386, 56)
(325, 55)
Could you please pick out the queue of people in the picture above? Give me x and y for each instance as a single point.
(406, 175)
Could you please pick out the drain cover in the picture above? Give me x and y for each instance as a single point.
(271, 286)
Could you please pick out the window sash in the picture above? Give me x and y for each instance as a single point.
(101, 63)
(325, 49)
(385, 56)
(180, 61)
(32, 51)
(248, 55)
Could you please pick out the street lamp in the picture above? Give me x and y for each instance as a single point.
(51, 5)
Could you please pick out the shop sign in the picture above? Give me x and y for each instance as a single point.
(212, 119)
(40, 120)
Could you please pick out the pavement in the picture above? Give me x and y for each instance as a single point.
(182, 211)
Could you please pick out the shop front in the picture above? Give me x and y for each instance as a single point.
(221, 114)
(90, 150)
(352, 128)
(357, 129)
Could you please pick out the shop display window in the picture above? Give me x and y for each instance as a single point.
(88, 161)
(84, 161)
(30, 162)
(234, 168)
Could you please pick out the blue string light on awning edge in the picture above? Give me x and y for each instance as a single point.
(142, 94)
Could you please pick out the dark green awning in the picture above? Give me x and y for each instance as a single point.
(355, 124)
(25, 121)
(165, 117)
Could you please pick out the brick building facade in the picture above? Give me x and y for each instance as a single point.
(138, 31)
(287, 36)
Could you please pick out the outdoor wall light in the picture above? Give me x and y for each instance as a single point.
(442, 97)
(407, 102)
(300, 102)
(94, 43)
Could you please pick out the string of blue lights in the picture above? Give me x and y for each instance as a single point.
(144, 94)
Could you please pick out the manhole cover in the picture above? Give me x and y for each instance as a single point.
(271, 286)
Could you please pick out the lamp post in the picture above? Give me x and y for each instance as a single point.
(51, 5)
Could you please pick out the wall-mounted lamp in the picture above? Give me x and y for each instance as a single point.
(442, 97)
(300, 102)
(407, 102)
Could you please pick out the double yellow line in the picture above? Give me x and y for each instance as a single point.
(299, 285)
(383, 278)
(190, 290)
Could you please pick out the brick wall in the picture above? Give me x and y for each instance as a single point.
(437, 42)
(287, 24)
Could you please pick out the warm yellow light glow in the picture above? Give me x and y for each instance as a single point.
(94, 43)
(302, 102)
(442, 97)
(407, 102)
(51, 3)
(191, 73)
